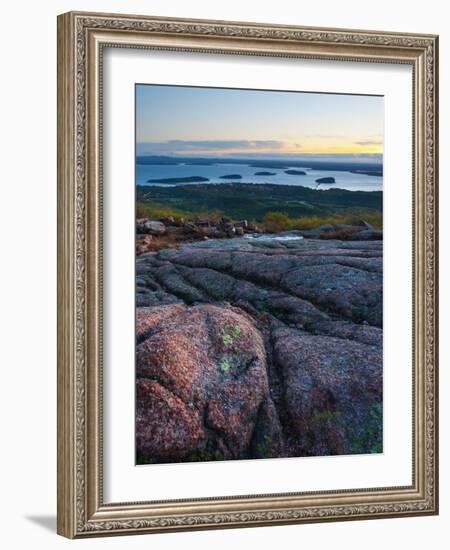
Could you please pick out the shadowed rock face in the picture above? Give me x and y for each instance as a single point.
(333, 394)
(256, 349)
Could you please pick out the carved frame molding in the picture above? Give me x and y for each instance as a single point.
(81, 39)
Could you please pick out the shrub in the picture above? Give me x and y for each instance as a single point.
(276, 221)
(273, 222)
(340, 234)
(156, 211)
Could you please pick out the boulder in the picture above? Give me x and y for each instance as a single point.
(209, 231)
(332, 391)
(202, 222)
(346, 227)
(190, 228)
(167, 220)
(310, 233)
(368, 235)
(150, 227)
(241, 223)
(364, 225)
(166, 427)
(143, 244)
(326, 227)
(202, 386)
(154, 228)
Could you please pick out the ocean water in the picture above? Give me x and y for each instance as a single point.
(344, 180)
(283, 237)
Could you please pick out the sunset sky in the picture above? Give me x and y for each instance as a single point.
(190, 121)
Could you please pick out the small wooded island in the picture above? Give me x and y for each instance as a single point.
(328, 179)
(231, 177)
(295, 172)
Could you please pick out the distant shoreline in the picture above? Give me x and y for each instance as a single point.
(341, 165)
(193, 182)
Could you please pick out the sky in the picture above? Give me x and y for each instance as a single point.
(220, 122)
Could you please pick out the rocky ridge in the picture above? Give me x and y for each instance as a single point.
(166, 232)
(259, 348)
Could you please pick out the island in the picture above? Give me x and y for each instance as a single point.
(376, 172)
(328, 179)
(295, 172)
(190, 179)
(231, 177)
(265, 173)
(199, 163)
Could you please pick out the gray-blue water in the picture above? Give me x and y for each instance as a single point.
(344, 180)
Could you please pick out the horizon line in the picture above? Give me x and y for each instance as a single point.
(260, 156)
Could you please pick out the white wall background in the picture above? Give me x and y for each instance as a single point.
(28, 272)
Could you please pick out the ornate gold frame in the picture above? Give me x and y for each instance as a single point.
(81, 37)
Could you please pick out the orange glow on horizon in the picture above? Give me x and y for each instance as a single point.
(288, 149)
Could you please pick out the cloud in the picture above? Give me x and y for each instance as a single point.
(180, 146)
(324, 136)
(369, 142)
(226, 144)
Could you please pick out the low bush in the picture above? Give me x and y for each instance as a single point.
(274, 222)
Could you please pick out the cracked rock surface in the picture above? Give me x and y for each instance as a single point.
(259, 349)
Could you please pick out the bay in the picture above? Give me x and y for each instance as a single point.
(214, 172)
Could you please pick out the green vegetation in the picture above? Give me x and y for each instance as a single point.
(278, 221)
(263, 447)
(229, 334)
(155, 211)
(225, 364)
(274, 207)
(371, 438)
(326, 415)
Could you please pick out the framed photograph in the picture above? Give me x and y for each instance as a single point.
(247, 288)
